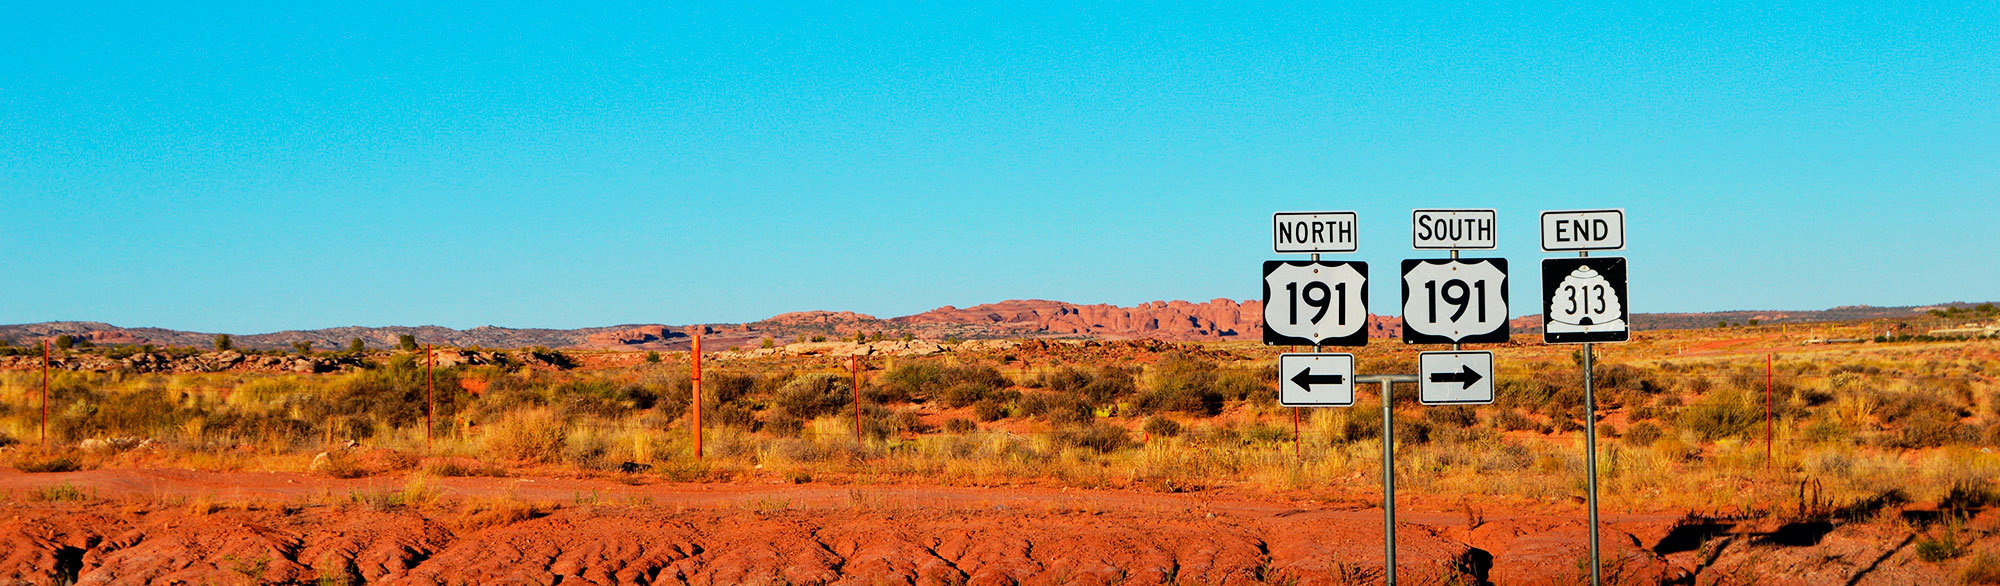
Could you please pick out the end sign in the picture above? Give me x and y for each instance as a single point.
(1573, 231)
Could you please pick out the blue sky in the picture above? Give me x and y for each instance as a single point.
(262, 166)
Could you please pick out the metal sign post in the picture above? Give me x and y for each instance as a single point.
(1388, 467)
(1585, 301)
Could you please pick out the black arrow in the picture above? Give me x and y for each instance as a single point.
(1467, 376)
(1305, 379)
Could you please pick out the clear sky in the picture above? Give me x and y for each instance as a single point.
(259, 166)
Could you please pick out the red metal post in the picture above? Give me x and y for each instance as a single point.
(45, 394)
(1767, 410)
(1295, 434)
(854, 365)
(430, 394)
(696, 355)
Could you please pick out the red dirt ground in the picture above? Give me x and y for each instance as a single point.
(157, 527)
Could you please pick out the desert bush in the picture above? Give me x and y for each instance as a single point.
(1059, 407)
(1719, 415)
(1157, 426)
(1642, 434)
(1099, 437)
(58, 493)
(1182, 384)
(988, 410)
(1981, 569)
(1068, 379)
(1511, 420)
(460, 467)
(812, 395)
(959, 425)
(535, 436)
(1923, 430)
(1452, 416)
(1940, 545)
(38, 461)
(784, 425)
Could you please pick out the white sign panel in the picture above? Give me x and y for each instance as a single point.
(1455, 378)
(1455, 301)
(1316, 380)
(1453, 229)
(1313, 232)
(1309, 303)
(1583, 230)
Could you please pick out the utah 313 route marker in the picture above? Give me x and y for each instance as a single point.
(1584, 300)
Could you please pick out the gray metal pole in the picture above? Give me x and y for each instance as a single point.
(1590, 458)
(1388, 488)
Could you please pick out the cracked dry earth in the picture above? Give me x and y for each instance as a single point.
(137, 530)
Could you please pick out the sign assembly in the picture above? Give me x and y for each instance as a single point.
(1454, 301)
(1584, 300)
(1316, 303)
(1316, 380)
(1454, 378)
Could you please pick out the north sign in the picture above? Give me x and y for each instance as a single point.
(1453, 229)
(1573, 231)
(1316, 380)
(1315, 303)
(1454, 378)
(1314, 232)
(1584, 300)
(1454, 301)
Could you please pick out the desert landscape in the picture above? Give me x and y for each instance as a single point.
(1052, 459)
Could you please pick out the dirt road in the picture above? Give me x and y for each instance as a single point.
(175, 526)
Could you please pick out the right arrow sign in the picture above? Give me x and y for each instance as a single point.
(1455, 378)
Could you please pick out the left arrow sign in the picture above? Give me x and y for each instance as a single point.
(1315, 380)
(1306, 379)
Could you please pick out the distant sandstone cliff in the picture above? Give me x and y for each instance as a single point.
(1172, 321)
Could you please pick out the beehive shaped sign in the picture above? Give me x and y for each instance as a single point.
(1584, 300)
(1591, 304)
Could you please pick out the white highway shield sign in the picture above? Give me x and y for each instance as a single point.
(1453, 229)
(1310, 303)
(1454, 378)
(1313, 232)
(1583, 230)
(1316, 380)
(1455, 301)
(1583, 300)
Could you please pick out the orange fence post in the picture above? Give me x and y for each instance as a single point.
(854, 365)
(696, 355)
(430, 395)
(45, 394)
